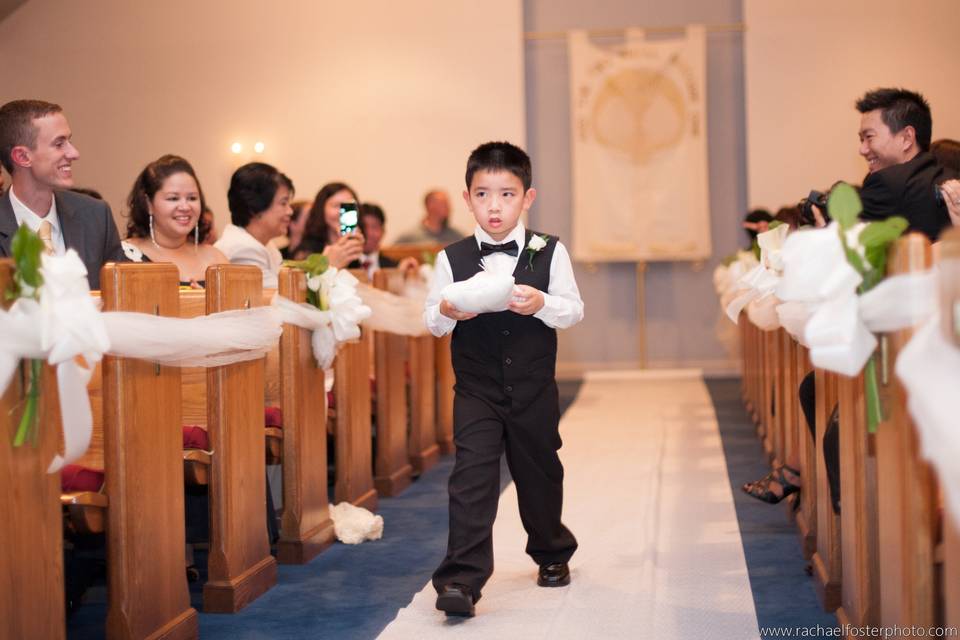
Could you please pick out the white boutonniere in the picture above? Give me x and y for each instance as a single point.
(536, 244)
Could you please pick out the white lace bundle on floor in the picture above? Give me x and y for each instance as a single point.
(353, 525)
(485, 292)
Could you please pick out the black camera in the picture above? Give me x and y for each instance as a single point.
(817, 198)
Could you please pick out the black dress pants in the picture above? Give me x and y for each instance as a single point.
(831, 437)
(483, 430)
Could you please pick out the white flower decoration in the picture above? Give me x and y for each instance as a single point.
(536, 243)
(313, 283)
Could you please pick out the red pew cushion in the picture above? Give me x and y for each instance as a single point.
(74, 478)
(273, 417)
(195, 437)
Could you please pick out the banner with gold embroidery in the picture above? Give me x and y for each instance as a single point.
(639, 148)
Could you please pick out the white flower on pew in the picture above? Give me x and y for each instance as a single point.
(840, 324)
(761, 281)
(63, 324)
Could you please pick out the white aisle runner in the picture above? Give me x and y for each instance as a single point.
(647, 495)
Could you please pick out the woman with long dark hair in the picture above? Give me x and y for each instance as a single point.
(166, 225)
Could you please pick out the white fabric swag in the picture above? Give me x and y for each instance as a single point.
(66, 322)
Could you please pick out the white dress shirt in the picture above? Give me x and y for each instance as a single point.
(562, 306)
(24, 215)
(242, 248)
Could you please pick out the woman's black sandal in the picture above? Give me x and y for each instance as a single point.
(761, 488)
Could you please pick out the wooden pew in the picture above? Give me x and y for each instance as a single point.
(418, 252)
(860, 592)
(827, 559)
(949, 264)
(807, 453)
(137, 435)
(445, 382)
(240, 566)
(142, 439)
(392, 469)
(305, 526)
(353, 436)
(906, 487)
(31, 556)
(423, 448)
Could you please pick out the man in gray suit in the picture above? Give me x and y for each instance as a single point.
(37, 152)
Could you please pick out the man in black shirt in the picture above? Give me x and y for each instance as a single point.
(903, 178)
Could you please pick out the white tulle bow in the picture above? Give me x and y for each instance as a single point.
(929, 368)
(64, 324)
(835, 323)
(760, 282)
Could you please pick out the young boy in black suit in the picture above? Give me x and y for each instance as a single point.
(506, 395)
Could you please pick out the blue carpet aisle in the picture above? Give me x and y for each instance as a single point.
(348, 592)
(783, 592)
(354, 592)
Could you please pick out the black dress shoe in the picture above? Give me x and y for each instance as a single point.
(555, 574)
(456, 600)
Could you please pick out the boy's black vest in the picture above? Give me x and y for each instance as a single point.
(504, 357)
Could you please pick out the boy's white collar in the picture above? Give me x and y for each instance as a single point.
(518, 234)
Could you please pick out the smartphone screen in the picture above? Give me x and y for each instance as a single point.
(349, 218)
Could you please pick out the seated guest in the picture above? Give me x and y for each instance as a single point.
(37, 151)
(301, 210)
(322, 232)
(895, 131)
(435, 227)
(207, 222)
(166, 224)
(947, 153)
(756, 222)
(259, 201)
(373, 224)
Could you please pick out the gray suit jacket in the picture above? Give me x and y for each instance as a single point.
(87, 227)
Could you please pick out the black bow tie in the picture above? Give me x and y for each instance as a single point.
(509, 248)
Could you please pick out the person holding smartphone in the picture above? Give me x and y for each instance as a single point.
(323, 233)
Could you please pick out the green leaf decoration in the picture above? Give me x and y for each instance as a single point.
(877, 257)
(854, 259)
(774, 224)
(26, 248)
(881, 233)
(755, 248)
(844, 205)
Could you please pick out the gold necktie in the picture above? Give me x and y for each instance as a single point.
(44, 233)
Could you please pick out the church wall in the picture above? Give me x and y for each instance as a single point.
(681, 307)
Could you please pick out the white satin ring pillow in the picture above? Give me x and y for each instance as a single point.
(483, 293)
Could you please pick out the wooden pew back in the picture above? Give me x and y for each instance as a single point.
(31, 556)
(144, 475)
(240, 566)
(392, 469)
(305, 527)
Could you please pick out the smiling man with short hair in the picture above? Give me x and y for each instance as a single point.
(895, 131)
(37, 151)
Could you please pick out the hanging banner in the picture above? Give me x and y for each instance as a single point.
(639, 148)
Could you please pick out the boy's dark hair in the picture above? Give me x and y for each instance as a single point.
(146, 186)
(16, 126)
(252, 190)
(373, 210)
(500, 156)
(900, 108)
